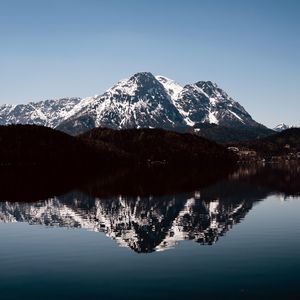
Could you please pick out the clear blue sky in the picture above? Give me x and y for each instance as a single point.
(57, 48)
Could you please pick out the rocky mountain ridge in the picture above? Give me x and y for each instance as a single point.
(48, 113)
(142, 101)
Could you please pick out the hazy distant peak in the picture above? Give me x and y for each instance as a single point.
(281, 127)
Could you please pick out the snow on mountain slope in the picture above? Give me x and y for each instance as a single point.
(171, 86)
(48, 113)
(205, 102)
(140, 101)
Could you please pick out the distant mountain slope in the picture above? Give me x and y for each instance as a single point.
(47, 113)
(280, 127)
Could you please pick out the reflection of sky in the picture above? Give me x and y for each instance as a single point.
(259, 255)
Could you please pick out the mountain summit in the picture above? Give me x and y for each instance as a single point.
(138, 102)
(145, 100)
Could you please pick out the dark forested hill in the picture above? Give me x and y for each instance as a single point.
(34, 145)
(280, 143)
(22, 145)
(224, 134)
(164, 146)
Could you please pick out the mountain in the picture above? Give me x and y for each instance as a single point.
(146, 101)
(280, 127)
(205, 102)
(47, 113)
(139, 102)
(142, 101)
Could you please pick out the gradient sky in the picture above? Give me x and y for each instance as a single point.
(51, 49)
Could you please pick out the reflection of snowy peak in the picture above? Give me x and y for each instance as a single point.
(143, 224)
(203, 222)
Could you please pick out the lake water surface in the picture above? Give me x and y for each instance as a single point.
(233, 237)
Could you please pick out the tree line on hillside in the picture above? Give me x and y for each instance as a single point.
(279, 144)
(32, 145)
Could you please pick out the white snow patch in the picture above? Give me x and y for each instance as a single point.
(237, 116)
(212, 118)
(172, 87)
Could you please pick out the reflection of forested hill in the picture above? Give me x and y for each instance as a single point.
(275, 178)
(158, 211)
(35, 184)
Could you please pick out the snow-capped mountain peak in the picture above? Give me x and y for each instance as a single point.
(139, 82)
(145, 100)
(138, 102)
(205, 102)
(280, 127)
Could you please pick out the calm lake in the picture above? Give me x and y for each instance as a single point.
(191, 236)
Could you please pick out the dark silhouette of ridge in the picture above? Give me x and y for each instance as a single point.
(281, 143)
(167, 147)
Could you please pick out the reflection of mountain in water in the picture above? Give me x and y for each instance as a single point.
(143, 224)
(153, 223)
